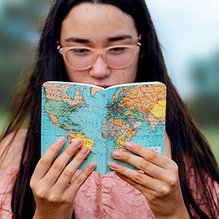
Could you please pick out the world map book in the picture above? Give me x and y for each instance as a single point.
(103, 118)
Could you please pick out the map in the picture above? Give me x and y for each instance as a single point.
(104, 118)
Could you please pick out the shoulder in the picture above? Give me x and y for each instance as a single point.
(11, 149)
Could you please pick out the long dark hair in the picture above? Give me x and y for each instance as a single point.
(190, 149)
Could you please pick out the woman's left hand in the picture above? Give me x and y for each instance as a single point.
(157, 179)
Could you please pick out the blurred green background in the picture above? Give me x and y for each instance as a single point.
(196, 78)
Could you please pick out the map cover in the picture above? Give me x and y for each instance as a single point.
(103, 118)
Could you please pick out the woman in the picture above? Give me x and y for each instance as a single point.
(181, 184)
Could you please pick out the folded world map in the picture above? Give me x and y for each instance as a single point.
(103, 118)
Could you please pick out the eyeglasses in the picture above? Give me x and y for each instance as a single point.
(83, 58)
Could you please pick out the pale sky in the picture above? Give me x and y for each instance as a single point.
(186, 30)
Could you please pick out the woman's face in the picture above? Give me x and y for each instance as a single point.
(99, 26)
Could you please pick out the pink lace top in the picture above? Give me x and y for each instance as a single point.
(100, 197)
(107, 196)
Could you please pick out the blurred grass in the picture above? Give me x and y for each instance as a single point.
(3, 117)
(211, 133)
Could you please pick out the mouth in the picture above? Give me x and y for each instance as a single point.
(104, 86)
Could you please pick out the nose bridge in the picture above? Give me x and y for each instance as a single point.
(100, 68)
(100, 54)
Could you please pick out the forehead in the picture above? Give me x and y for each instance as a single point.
(96, 21)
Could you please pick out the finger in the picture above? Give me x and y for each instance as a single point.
(136, 176)
(66, 176)
(141, 164)
(61, 162)
(46, 160)
(71, 191)
(151, 156)
(139, 187)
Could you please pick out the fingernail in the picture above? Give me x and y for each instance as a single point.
(76, 143)
(61, 140)
(117, 154)
(113, 165)
(128, 145)
(84, 150)
(92, 165)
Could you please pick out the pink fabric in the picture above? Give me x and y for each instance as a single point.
(107, 196)
(7, 178)
(102, 196)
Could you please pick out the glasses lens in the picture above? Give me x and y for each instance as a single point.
(119, 56)
(79, 58)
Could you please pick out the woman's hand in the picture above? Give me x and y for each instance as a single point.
(157, 179)
(53, 191)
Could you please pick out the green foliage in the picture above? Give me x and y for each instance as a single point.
(19, 33)
(213, 139)
(205, 101)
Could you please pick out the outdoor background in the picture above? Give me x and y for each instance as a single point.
(188, 32)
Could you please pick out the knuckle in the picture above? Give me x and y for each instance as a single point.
(40, 193)
(79, 158)
(69, 151)
(140, 150)
(53, 198)
(45, 161)
(138, 177)
(125, 157)
(144, 165)
(172, 181)
(175, 167)
(153, 198)
(80, 179)
(32, 184)
(67, 173)
(58, 166)
(54, 148)
(164, 191)
(67, 199)
(83, 176)
(151, 155)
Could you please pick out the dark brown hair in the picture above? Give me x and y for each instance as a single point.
(190, 149)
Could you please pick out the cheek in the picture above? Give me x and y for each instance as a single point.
(133, 71)
(128, 75)
(72, 74)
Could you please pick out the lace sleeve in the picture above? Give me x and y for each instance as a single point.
(198, 192)
(9, 168)
(7, 178)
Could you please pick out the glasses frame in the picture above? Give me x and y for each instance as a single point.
(98, 52)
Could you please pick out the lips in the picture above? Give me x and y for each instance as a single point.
(104, 85)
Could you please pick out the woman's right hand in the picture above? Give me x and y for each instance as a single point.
(53, 191)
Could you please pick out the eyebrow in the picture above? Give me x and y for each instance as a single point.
(120, 37)
(110, 39)
(76, 40)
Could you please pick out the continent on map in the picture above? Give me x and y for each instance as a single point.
(118, 131)
(59, 92)
(149, 101)
(95, 90)
(61, 100)
(85, 141)
(128, 109)
(144, 98)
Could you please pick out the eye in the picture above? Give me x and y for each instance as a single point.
(117, 50)
(80, 51)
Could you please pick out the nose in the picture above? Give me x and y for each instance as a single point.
(100, 69)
